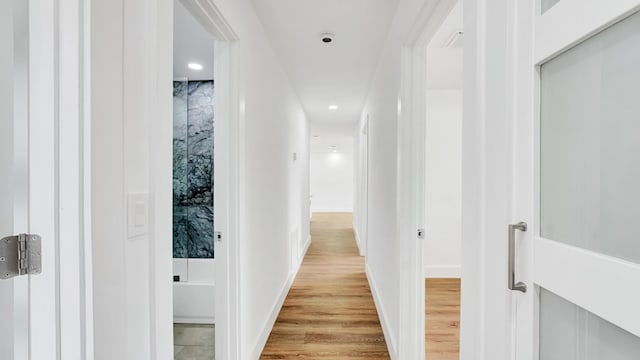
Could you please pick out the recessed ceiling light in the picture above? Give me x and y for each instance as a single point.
(326, 38)
(335, 151)
(194, 66)
(333, 107)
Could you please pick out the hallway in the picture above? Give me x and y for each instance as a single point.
(329, 312)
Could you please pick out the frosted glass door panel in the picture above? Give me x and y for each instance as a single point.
(568, 332)
(590, 143)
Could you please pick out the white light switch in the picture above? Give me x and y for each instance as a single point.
(137, 214)
(141, 214)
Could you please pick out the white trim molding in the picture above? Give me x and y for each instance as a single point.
(229, 181)
(356, 234)
(275, 310)
(257, 349)
(194, 320)
(305, 248)
(387, 330)
(211, 18)
(332, 210)
(441, 271)
(411, 178)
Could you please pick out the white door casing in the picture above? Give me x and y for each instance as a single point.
(411, 177)
(228, 158)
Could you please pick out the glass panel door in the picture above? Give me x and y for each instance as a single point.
(589, 195)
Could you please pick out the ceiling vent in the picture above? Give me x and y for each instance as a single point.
(455, 40)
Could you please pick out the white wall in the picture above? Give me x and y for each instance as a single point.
(383, 261)
(131, 120)
(443, 183)
(332, 181)
(120, 164)
(361, 177)
(275, 127)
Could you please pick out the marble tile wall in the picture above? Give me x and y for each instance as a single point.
(193, 169)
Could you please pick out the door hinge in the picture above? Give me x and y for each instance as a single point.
(20, 255)
(420, 234)
(218, 236)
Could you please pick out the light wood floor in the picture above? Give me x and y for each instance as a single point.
(329, 312)
(442, 319)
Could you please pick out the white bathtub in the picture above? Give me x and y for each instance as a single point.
(194, 294)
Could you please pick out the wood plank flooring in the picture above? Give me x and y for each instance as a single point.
(329, 312)
(442, 312)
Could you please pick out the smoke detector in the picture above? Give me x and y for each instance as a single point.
(455, 40)
(326, 38)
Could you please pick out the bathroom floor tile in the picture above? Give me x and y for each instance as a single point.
(197, 353)
(177, 349)
(193, 335)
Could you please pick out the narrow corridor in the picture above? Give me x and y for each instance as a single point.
(329, 312)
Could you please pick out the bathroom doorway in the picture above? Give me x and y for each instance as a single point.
(193, 188)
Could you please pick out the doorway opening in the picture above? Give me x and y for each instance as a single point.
(332, 171)
(193, 188)
(205, 209)
(443, 187)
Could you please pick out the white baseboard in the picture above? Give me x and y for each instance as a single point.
(306, 248)
(386, 328)
(358, 240)
(304, 253)
(330, 210)
(271, 321)
(275, 311)
(441, 271)
(199, 320)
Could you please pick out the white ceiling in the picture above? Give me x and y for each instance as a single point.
(191, 43)
(444, 65)
(323, 74)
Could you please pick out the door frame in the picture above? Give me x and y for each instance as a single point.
(412, 179)
(228, 177)
(490, 104)
(487, 306)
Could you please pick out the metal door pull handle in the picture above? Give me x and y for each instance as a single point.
(522, 226)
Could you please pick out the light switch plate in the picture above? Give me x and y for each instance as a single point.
(137, 214)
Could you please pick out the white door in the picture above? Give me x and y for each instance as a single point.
(14, 327)
(577, 176)
(34, 321)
